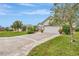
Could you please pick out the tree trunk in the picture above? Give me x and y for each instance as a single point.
(71, 31)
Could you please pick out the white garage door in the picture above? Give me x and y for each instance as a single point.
(51, 29)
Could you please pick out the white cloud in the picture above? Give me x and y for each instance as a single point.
(26, 4)
(37, 12)
(5, 6)
(4, 9)
(2, 13)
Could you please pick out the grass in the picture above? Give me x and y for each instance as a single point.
(10, 33)
(59, 46)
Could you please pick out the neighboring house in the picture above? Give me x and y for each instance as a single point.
(1, 28)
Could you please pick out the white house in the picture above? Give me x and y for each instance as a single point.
(47, 28)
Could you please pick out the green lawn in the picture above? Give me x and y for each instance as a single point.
(59, 46)
(10, 33)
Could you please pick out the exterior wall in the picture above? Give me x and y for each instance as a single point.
(17, 30)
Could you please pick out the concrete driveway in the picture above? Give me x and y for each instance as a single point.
(21, 45)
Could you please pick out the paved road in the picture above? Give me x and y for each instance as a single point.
(19, 45)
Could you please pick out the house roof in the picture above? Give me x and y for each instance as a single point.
(46, 21)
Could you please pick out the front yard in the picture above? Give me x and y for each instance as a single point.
(10, 33)
(59, 46)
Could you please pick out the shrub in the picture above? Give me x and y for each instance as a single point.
(77, 25)
(60, 31)
(42, 31)
(31, 29)
(8, 29)
(24, 28)
(66, 29)
(77, 29)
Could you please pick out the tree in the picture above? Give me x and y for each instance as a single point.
(17, 25)
(24, 27)
(66, 13)
(8, 29)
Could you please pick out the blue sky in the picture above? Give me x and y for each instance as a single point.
(28, 13)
